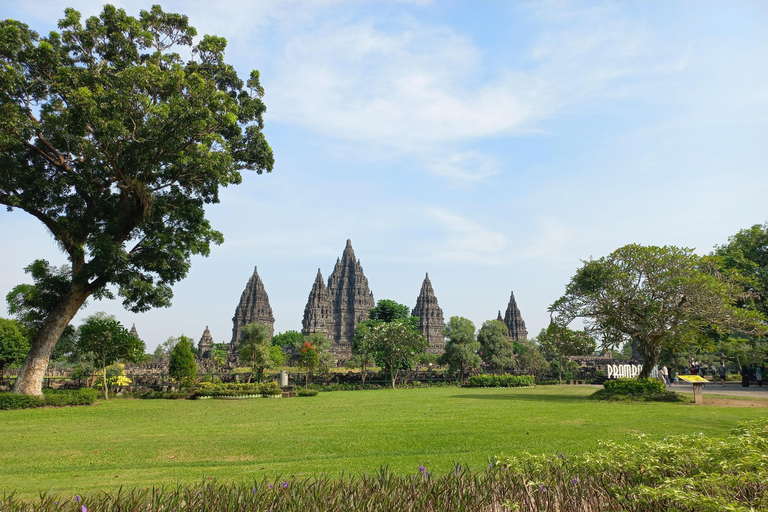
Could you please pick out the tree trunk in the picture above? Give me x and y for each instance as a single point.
(364, 372)
(32, 373)
(560, 372)
(104, 381)
(393, 375)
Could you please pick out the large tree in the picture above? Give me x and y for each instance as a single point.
(181, 362)
(495, 348)
(656, 297)
(395, 345)
(747, 253)
(106, 341)
(559, 343)
(116, 144)
(462, 346)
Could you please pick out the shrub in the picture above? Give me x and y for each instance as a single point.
(500, 381)
(648, 390)
(269, 389)
(307, 392)
(51, 398)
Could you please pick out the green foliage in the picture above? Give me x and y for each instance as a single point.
(287, 339)
(116, 145)
(500, 381)
(277, 356)
(322, 346)
(32, 303)
(747, 254)
(395, 345)
(495, 348)
(658, 297)
(13, 344)
(50, 398)
(530, 359)
(462, 346)
(307, 392)
(238, 390)
(427, 359)
(388, 311)
(558, 343)
(308, 359)
(181, 363)
(104, 340)
(254, 347)
(648, 390)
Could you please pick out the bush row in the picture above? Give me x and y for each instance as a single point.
(50, 398)
(500, 381)
(691, 473)
(238, 389)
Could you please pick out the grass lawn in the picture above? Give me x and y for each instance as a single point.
(145, 442)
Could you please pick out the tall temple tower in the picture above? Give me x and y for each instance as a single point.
(351, 300)
(318, 314)
(514, 321)
(253, 308)
(431, 322)
(205, 344)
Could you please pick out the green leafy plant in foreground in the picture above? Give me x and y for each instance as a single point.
(50, 398)
(685, 473)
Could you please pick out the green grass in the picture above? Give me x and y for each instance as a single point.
(139, 443)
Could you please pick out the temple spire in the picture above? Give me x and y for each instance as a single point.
(431, 321)
(514, 321)
(253, 308)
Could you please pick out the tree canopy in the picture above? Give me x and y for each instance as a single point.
(658, 297)
(462, 346)
(559, 343)
(495, 348)
(106, 340)
(747, 253)
(181, 362)
(13, 344)
(387, 310)
(254, 346)
(115, 144)
(395, 345)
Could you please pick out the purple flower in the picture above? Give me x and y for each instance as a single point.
(254, 491)
(77, 499)
(490, 465)
(285, 485)
(574, 481)
(270, 486)
(55, 502)
(458, 468)
(542, 488)
(83, 509)
(422, 469)
(561, 456)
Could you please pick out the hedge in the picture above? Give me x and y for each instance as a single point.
(50, 398)
(500, 381)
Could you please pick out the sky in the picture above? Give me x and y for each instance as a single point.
(495, 145)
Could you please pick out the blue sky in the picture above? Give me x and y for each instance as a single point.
(491, 144)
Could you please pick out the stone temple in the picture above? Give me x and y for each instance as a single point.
(337, 308)
(205, 344)
(431, 322)
(253, 308)
(514, 321)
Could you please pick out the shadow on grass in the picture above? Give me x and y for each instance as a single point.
(527, 398)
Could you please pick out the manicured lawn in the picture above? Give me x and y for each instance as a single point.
(141, 443)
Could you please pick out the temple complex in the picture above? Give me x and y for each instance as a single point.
(431, 322)
(350, 300)
(514, 321)
(253, 308)
(205, 344)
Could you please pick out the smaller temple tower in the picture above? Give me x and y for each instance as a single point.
(205, 344)
(318, 313)
(253, 308)
(134, 332)
(514, 321)
(431, 321)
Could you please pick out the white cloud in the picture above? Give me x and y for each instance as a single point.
(465, 241)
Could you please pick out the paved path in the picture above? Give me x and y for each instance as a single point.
(730, 389)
